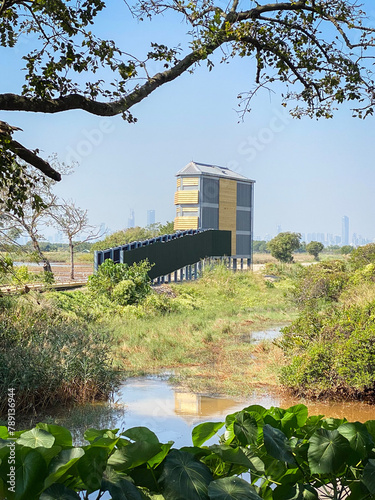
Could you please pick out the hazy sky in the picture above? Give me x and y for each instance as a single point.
(308, 173)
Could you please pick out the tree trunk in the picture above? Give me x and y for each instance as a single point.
(46, 264)
(71, 247)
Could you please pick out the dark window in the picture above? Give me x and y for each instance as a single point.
(243, 195)
(210, 190)
(210, 218)
(243, 244)
(243, 220)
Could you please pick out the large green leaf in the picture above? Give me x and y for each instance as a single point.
(62, 435)
(3, 432)
(91, 467)
(359, 438)
(297, 492)
(159, 457)
(92, 435)
(231, 488)
(59, 492)
(134, 454)
(328, 451)
(119, 487)
(141, 434)
(301, 413)
(368, 478)
(31, 470)
(202, 432)
(277, 445)
(246, 427)
(35, 438)
(184, 477)
(238, 456)
(62, 463)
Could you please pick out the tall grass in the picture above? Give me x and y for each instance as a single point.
(48, 359)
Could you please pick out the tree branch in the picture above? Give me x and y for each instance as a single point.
(34, 160)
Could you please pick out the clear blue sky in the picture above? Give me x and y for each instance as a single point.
(308, 173)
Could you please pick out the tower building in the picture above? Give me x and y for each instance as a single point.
(213, 197)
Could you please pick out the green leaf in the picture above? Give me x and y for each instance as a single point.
(59, 492)
(92, 435)
(277, 445)
(368, 478)
(157, 459)
(62, 435)
(297, 492)
(3, 432)
(119, 487)
(246, 427)
(184, 477)
(328, 451)
(31, 470)
(359, 438)
(238, 456)
(62, 463)
(35, 438)
(202, 432)
(134, 454)
(141, 434)
(231, 488)
(301, 412)
(91, 467)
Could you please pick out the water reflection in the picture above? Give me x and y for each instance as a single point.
(171, 413)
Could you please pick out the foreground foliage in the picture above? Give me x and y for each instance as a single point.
(285, 454)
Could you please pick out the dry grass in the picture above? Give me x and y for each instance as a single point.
(265, 258)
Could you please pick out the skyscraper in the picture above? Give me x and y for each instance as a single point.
(345, 230)
(131, 219)
(150, 217)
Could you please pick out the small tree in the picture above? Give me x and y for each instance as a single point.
(283, 245)
(314, 248)
(73, 221)
(346, 249)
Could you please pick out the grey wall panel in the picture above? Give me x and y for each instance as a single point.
(243, 220)
(209, 191)
(210, 218)
(243, 244)
(243, 194)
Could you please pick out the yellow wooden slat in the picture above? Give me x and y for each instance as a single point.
(186, 197)
(192, 209)
(185, 223)
(228, 208)
(179, 182)
(190, 181)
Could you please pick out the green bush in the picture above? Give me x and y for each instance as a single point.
(120, 282)
(362, 256)
(331, 353)
(322, 282)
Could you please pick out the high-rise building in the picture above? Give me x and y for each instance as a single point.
(345, 230)
(150, 217)
(131, 219)
(213, 197)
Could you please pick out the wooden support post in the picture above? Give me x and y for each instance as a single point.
(234, 265)
(241, 264)
(175, 277)
(96, 260)
(195, 271)
(122, 256)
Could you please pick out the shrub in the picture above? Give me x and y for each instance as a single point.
(331, 353)
(135, 281)
(362, 256)
(322, 282)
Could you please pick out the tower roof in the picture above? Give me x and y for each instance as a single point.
(195, 168)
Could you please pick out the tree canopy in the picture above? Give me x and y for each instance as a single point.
(283, 245)
(320, 50)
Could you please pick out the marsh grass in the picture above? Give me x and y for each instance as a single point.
(199, 333)
(49, 359)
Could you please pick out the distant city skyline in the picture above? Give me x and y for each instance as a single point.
(327, 238)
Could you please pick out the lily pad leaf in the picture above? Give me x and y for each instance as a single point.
(327, 451)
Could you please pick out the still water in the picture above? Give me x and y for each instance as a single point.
(172, 414)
